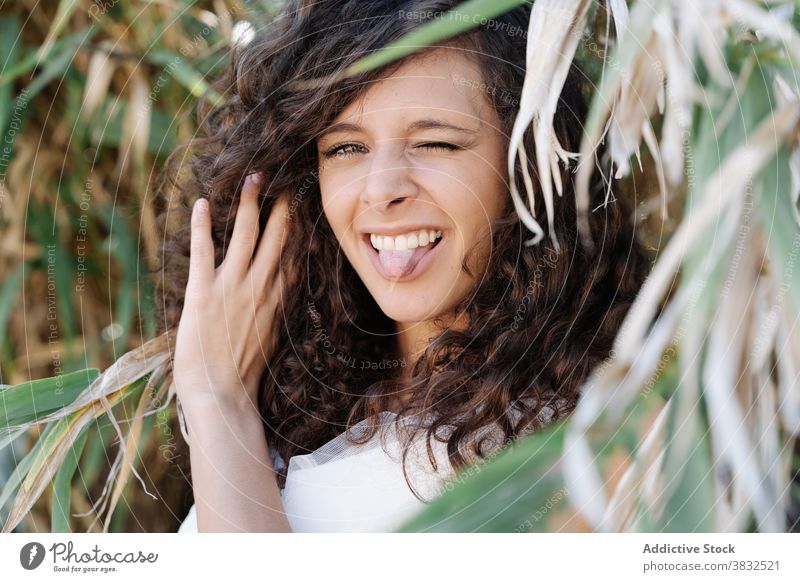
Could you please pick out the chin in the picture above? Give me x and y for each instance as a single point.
(403, 309)
(405, 316)
(426, 297)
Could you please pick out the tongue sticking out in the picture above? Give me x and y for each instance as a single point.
(397, 264)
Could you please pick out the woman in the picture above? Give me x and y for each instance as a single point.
(391, 294)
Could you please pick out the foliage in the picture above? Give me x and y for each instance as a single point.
(691, 425)
(93, 96)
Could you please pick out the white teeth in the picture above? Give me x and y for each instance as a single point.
(411, 240)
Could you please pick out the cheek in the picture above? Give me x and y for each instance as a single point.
(474, 202)
(332, 205)
(491, 172)
(492, 196)
(339, 205)
(480, 205)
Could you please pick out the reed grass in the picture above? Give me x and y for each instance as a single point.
(692, 424)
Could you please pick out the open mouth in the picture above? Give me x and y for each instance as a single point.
(403, 263)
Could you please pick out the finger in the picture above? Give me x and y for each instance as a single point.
(268, 252)
(266, 298)
(245, 229)
(201, 253)
(265, 320)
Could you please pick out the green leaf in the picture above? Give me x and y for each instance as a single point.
(96, 450)
(105, 128)
(65, 10)
(23, 467)
(522, 487)
(463, 17)
(781, 230)
(31, 400)
(10, 34)
(44, 466)
(57, 64)
(689, 507)
(66, 45)
(122, 245)
(59, 266)
(62, 485)
(186, 75)
(504, 493)
(8, 297)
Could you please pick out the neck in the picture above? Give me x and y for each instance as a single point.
(413, 338)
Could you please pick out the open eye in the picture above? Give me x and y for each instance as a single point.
(344, 150)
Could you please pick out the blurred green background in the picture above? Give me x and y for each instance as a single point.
(93, 97)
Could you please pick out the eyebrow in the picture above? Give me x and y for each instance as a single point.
(426, 123)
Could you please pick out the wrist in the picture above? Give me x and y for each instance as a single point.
(213, 421)
(205, 405)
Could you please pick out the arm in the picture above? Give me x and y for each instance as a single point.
(223, 343)
(234, 482)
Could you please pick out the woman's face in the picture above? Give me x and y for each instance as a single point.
(411, 175)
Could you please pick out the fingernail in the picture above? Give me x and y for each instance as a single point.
(201, 205)
(255, 178)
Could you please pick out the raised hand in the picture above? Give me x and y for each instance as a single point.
(223, 340)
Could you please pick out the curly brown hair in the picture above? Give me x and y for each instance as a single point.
(537, 323)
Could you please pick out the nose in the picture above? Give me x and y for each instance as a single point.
(389, 180)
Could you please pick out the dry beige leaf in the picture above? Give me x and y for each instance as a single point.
(553, 36)
(98, 79)
(37, 480)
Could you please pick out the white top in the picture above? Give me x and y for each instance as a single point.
(343, 487)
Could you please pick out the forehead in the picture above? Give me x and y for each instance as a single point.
(447, 81)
